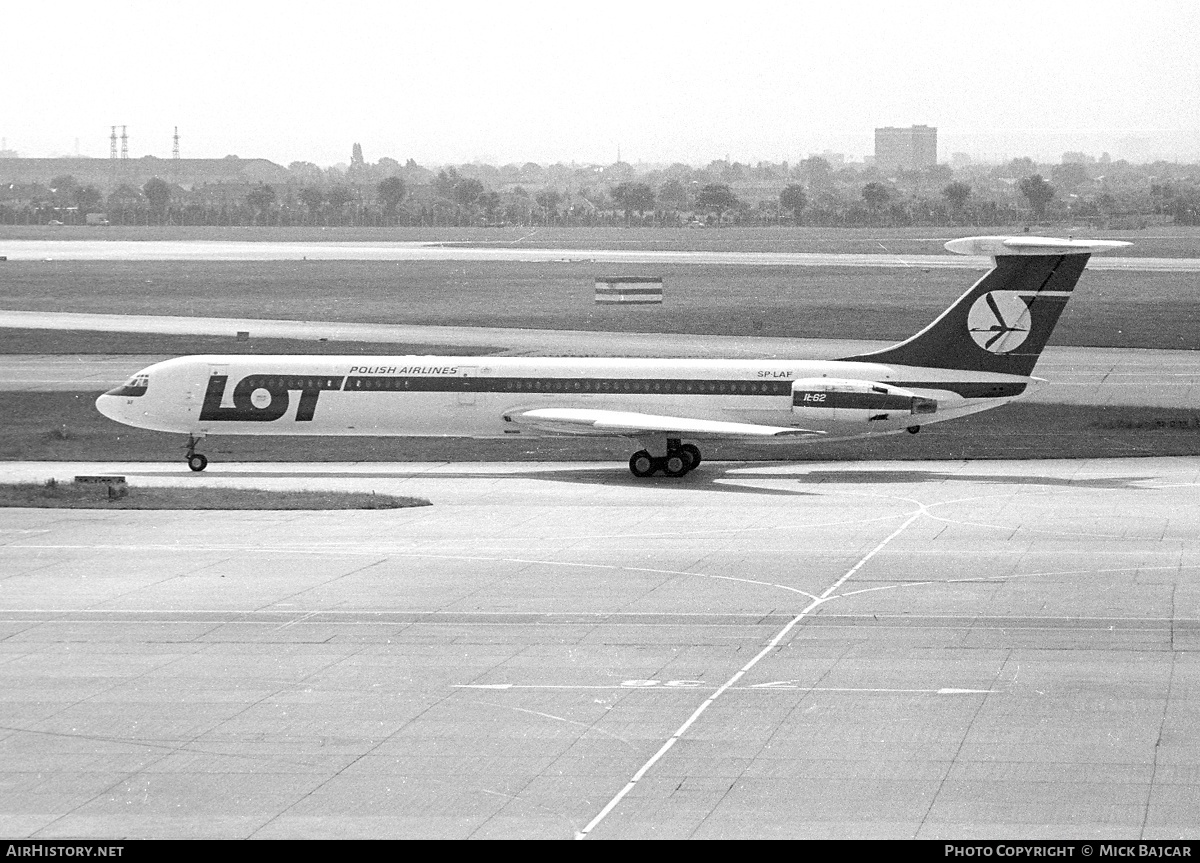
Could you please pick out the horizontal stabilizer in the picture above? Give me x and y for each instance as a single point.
(628, 422)
(997, 246)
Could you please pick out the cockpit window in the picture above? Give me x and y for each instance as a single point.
(135, 386)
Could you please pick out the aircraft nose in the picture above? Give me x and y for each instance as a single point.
(110, 406)
(117, 403)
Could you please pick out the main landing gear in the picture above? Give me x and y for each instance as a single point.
(678, 461)
(195, 460)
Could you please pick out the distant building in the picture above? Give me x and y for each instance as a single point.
(1074, 157)
(107, 174)
(906, 149)
(959, 161)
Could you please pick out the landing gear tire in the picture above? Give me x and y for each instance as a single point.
(676, 464)
(194, 460)
(913, 429)
(641, 464)
(694, 451)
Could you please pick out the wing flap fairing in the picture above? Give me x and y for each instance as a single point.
(581, 420)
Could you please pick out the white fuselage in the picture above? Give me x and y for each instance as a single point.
(480, 396)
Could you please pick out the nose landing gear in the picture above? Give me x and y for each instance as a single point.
(196, 461)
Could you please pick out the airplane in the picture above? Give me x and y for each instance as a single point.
(978, 354)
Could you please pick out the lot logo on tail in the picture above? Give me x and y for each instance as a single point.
(999, 321)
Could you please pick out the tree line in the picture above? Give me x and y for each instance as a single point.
(812, 192)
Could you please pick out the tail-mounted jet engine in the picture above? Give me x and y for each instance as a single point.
(842, 400)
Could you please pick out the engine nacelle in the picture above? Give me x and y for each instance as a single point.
(843, 400)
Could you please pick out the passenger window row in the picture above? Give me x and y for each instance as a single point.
(281, 382)
(571, 385)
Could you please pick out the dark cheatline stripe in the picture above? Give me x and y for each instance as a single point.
(613, 386)
(639, 386)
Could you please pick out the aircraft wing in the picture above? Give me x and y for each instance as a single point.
(631, 423)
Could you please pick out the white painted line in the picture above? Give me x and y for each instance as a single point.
(775, 686)
(779, 636)
(965, 691)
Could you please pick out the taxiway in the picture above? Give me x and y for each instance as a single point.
(207, 250)
(933, 650)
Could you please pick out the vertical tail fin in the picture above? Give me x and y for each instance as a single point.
(1002, 323)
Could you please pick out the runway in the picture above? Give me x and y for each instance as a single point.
(932, 650)
(502, 339)
(206, 250)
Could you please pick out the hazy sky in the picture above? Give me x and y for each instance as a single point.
(560, 81)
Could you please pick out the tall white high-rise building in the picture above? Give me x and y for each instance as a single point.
(907, 149)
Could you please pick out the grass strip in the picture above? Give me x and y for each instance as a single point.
(1111, 309)
(18, 341)
(61, 495)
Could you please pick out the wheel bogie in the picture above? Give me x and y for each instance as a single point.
(678, 461)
